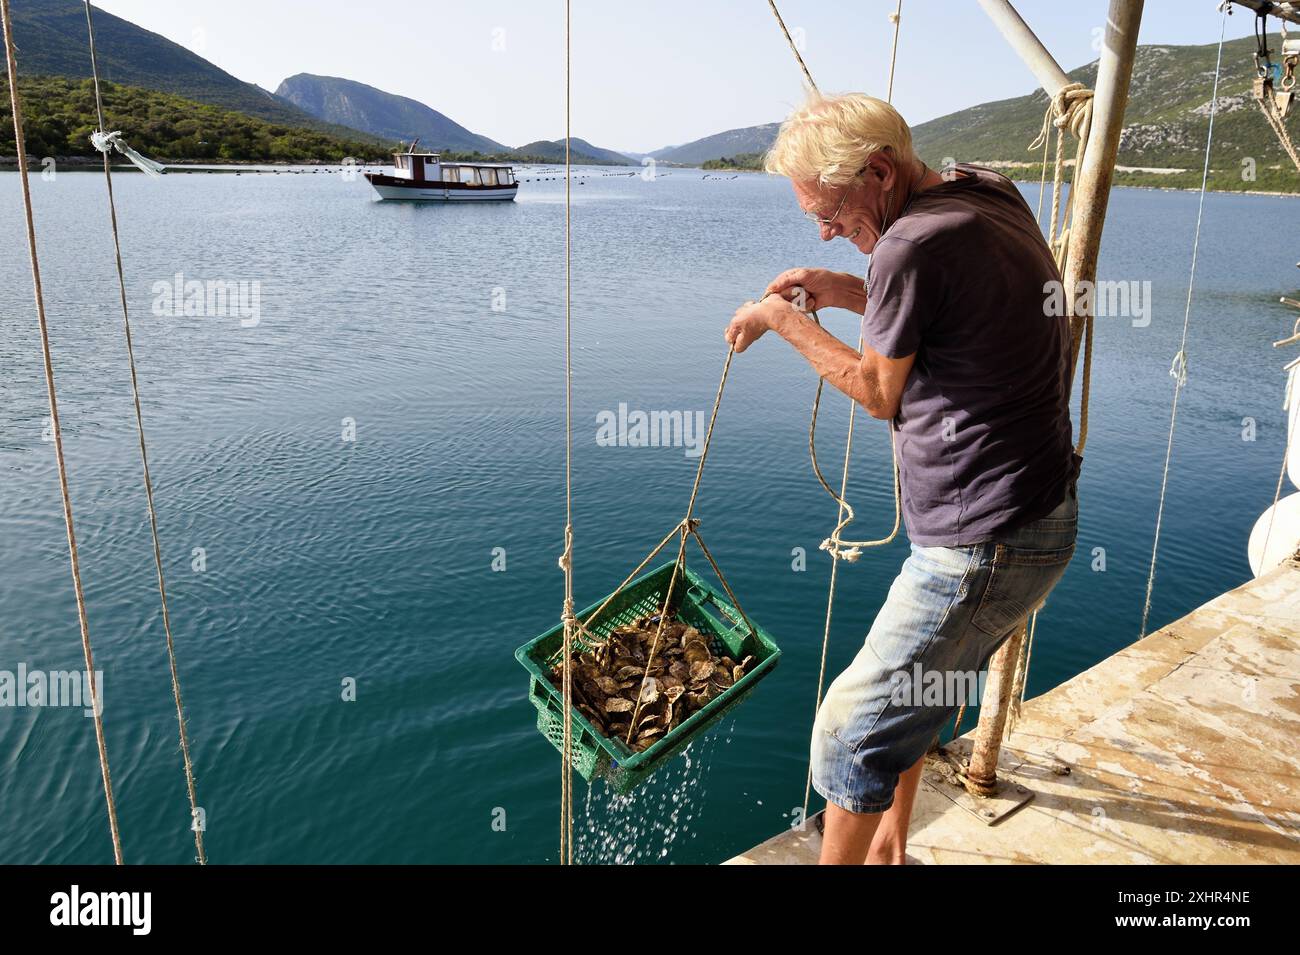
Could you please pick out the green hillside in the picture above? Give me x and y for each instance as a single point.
(1164, 126)
(59, 117)
(51, 40)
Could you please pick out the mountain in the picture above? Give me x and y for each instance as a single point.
(60, 115)
(354, 104)
(749, 139)
(1164, 126)
(51, 39)
(552, 150)
(349, 103)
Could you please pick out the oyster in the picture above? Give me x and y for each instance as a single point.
(646, 679)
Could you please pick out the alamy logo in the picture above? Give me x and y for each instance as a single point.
(75, 907)
(214, 298)
(26, 687)
(651, 429)
(1105, 299)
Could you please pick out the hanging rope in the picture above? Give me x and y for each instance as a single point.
(688, 529)
(566, 560)
(144, 454)
(793, 49)
(834, 545)
(20, 144)
(1265, 97)
(1069, 110)
(1179, 369)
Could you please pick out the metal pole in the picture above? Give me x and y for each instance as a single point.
(1090, 188)
(1048, 72)
(1092, 180)
(982, 773)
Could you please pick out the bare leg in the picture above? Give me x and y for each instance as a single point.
(848, 835)
(889, 845)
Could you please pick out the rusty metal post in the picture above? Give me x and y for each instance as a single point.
(1091, 185)
(1093, 178)
(982, 773)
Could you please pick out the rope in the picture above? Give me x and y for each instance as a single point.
(687, 529)
(20, 144)
(144, 464)
(1268, 106)
(794, 49)
(1069, 109)
(1179, 369)
(566, 562)
(837, 548)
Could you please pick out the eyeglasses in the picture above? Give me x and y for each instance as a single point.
(814, 217)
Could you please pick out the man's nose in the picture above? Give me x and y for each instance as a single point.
(829, 231)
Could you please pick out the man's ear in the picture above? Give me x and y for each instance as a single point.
(881, 167)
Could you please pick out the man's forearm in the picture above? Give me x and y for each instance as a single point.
(833, 360)
(851, 294)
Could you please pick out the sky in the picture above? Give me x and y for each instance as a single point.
(647, 75)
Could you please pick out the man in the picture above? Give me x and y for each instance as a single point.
(963, 358)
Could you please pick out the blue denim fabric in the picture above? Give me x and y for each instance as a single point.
(948, 610)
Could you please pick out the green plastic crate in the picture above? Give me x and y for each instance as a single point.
(698, 605)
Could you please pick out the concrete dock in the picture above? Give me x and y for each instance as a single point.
(1182, 748)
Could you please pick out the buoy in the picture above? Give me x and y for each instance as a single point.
(1280, 525)
(1293, 451)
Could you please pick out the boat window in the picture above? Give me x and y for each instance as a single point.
(469, 175)
(449, 173)
(489, 176)
(507, 177)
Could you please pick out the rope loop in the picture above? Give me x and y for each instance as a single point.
(1178, 368)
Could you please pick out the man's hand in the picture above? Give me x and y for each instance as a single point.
(810, 289)
(753, 319)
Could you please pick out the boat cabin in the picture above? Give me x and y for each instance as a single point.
(428, 167)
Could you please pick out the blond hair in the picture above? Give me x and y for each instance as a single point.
(830, 138)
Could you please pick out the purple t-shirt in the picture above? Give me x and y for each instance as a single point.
(983, 431)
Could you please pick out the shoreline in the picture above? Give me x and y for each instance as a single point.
(79, 163)
(1114, 185)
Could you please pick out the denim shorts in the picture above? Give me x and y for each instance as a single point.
(948, 610)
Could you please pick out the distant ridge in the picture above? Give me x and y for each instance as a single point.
(1165, 125)
(51, 40)
(349, 103)
(748, 139)
(552, 150)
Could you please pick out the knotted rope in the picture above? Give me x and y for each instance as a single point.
(20, 144)
(107, 142)
(1070, 110)
(1178, 370)
(834, 545)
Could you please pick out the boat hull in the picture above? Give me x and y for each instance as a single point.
(391, 187)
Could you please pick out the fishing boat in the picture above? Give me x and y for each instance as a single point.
(422, 174)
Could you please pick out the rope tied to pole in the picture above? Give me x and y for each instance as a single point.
(107, 142)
